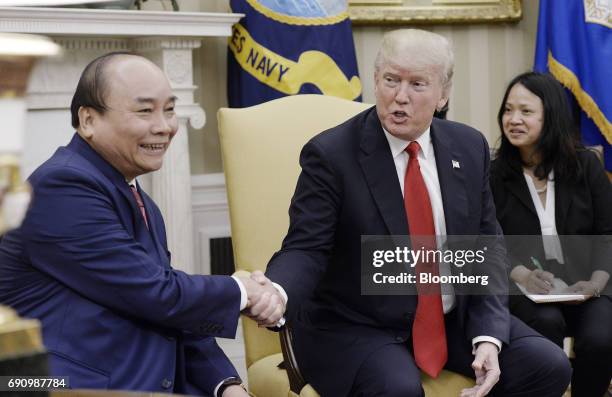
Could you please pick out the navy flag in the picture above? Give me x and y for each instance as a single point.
(286, 47)
(575, 45)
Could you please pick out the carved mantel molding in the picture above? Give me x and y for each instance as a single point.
(166, 38)
(115, 23)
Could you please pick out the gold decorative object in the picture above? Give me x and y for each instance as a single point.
(21, 347)
(18, 337)
(18, 53)
(409, 12)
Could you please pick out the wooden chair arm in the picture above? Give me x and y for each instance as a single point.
(296, 380)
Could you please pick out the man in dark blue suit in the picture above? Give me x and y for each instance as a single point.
(394, 170)
(91, 260)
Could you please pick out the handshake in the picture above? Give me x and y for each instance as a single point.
(265, 303)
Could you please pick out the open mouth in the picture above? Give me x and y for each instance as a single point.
(399, 115)
(154, 147)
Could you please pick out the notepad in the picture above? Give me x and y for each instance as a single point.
(555, 295)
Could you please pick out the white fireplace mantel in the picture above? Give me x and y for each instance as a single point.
(166, 38)
(115, 23)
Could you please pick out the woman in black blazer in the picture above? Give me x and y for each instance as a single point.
(551, 190)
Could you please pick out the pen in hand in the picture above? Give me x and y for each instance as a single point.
(542, 275)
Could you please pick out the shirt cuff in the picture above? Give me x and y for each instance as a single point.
(281, 291)
(491, 339)
(220, 383)
(243, 296)
(223, 381)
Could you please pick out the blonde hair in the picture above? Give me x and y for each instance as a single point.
(421, 47)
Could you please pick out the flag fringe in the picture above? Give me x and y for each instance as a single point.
(588, 105)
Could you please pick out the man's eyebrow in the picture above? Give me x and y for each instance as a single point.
(152, 100)
(144, 100)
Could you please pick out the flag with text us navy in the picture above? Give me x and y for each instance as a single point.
(291, 47)
(574, 44)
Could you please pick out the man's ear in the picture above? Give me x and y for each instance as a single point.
(86, 122)
(441, 103)
(446, 91)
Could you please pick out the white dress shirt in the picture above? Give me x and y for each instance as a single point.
(429, 170)
(427, 163)
(546, 215)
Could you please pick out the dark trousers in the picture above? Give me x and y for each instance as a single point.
(530, 366)
(590, 323)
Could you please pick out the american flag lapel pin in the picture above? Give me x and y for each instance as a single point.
(456, 164)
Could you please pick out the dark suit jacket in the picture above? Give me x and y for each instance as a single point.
(348, 187)
(114, 313)
(582, 208)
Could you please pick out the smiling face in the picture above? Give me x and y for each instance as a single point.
(522, 120)
(407, 94)
(136, 130)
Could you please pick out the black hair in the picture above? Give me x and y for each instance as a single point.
(92, 86)
(558, 139)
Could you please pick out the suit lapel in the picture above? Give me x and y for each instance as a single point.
(126, 192)
(517, 186)
(153, 232)
(142, 234)
(563, 200)
(451, 178)
(379, 171)
(140, 231)
(113, 175)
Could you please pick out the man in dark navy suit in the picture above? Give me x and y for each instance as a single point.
(91, 260)
(394, 170)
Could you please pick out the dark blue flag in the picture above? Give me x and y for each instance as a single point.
(287, 47)
(575, 45)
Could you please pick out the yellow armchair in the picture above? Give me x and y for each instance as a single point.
(260, 147)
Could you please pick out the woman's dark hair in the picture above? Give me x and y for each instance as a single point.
(558, 139)
(92, 86)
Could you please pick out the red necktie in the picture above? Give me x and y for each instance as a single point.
(428, 334)
(140, 204)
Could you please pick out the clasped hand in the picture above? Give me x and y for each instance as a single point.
(265, 304)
